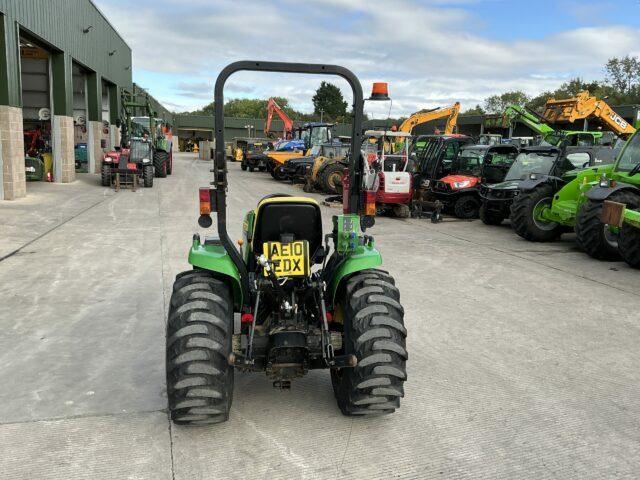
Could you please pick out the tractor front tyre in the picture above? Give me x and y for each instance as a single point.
(466, 207)
(243, 166)
(160, 160)
(374, 332)
(594, 237)
(490, 218)
(106, 175)
(331, 179)
(524, 215)
(199, 332)
(629, 245)
(147, 175)
(278, 174)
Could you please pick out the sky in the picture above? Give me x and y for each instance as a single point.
(431, 52)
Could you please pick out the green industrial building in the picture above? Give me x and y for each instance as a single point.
(62, 65)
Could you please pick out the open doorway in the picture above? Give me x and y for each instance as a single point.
(35, 72)
(80, 106)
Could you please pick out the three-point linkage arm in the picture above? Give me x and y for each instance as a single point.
(272, 106)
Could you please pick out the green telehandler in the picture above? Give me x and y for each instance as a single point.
(304, 300)
(608, 222)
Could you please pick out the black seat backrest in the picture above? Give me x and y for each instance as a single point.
(300, 219)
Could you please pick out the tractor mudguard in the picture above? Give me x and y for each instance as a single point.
(599, 194)
(363, 258)
(213, 257)
(529, 184)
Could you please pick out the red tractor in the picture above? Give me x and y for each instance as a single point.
(129, 165)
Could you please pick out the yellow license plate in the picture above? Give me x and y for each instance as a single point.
(289, 259)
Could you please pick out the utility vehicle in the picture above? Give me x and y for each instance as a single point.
(305, 300)
(605, 235)
(547, 203)
(130, 164)
(253, 154)
(537, 161)
(458, 190)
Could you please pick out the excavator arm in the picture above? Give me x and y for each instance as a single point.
(272, 107)
(450, 113)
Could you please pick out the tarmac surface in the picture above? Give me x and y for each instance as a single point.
(524, 359)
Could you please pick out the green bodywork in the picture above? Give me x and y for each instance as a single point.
(517, 113)
(358, 252)
(137, 126)
(631, 217)
(216, 259)
(568, 200)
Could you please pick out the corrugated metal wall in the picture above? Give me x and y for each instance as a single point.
(58, 25)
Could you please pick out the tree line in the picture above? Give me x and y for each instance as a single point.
(328, 104)
(621, 86)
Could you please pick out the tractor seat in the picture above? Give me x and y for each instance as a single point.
(285, 216)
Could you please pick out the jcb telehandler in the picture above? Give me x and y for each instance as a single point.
(305, 300)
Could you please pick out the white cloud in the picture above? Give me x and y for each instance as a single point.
(429, 54)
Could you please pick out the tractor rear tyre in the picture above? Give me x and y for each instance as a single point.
(374, 332)
(170, 164)
(629, 245)
(331, 179)
(106, 175)
(160, 160)
(524, 209)
(593, 236)
(488, 217)
(199, 332)
(466, 207)
(251, 169)
(147, 175)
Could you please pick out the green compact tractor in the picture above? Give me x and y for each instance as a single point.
(546, 203)
(304, 300)
(607, 223)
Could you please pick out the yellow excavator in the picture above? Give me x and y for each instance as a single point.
(450, 113)
(584, 106)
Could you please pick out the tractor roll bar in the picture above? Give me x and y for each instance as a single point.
(219, 162)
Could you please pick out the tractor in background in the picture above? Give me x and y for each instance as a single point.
(145, 147)
(547, 202)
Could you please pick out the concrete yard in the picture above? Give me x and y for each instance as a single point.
(524, 358)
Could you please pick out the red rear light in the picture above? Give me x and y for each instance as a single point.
(369, 203)
(205, 201)
(246, 318)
